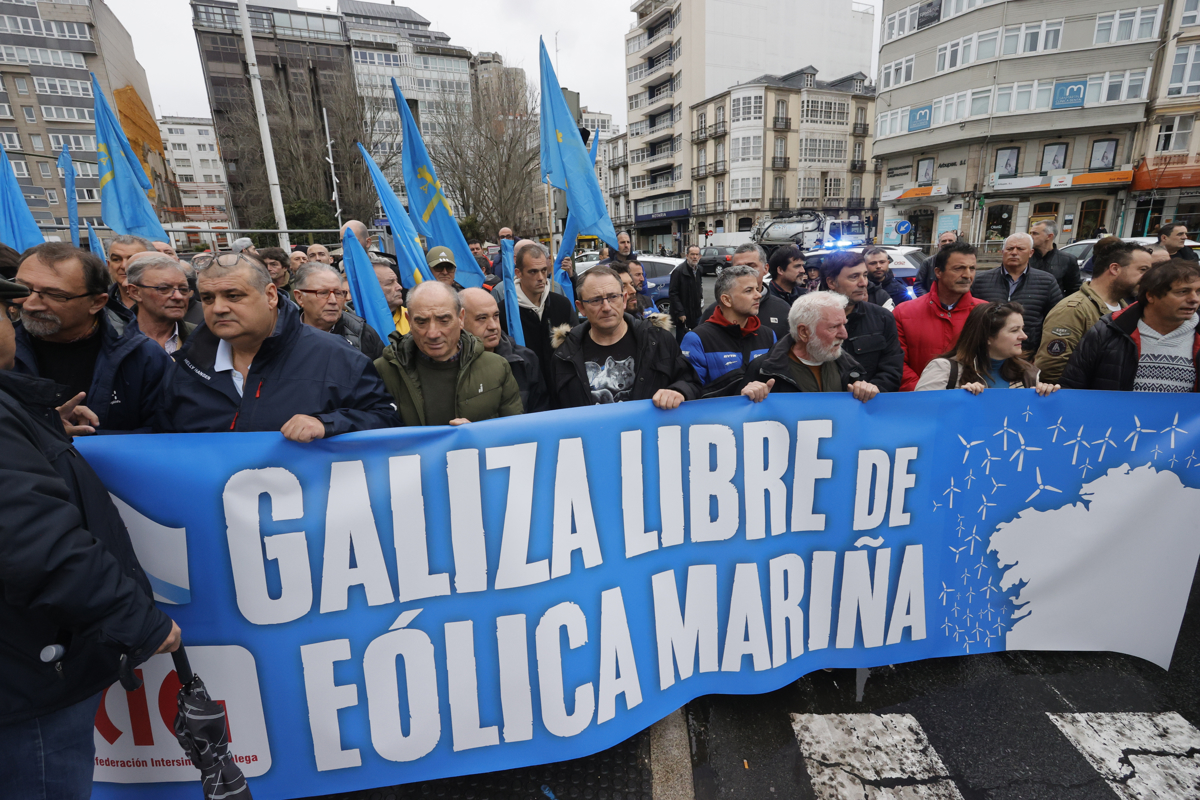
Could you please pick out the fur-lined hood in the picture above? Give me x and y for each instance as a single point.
(559, 334)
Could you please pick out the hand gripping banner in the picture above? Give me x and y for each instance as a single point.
(403, 605)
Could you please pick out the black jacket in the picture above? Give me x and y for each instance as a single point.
(1106, 359)
(659, 363)
(1187, 254)
(128, 378)
(557, 311)
(686, 296)
(1063, 266)
(797, 291)
(68, 573)
(528, 372)
(772, 312)
(777, 364)
(1038, 294)
(893, 286)
(875, 344)
(361, 336)
(298, 370)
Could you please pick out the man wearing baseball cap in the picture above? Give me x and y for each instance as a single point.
(441, 264)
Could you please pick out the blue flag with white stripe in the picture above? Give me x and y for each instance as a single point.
(410, 256)
(124, 206)
(428, 208)
(68, 170)
(18, 229)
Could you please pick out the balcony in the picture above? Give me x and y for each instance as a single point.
(861, 129)
(858, 166)
(651, 158)
(781, 162)
(874, 203)
(661, 183)
(855, 202)
(781, 123)
(717, 129)
(700, 171)
(832, 202)
(617, 191)
(660, 127)
(779, 203)
(657, 68)
(748, 202)
(700, 134)
(719, 207)
(619, 222)
(718, 168)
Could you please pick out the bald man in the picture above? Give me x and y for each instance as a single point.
(482, 321)
(364, 238)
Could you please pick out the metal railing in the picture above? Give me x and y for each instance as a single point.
(855, 202)
(617, 191)
(619, 161)
(662, 126)
(781, 162)
(700, 171)
(858, 166)
(861, 129)
(781, 123)
(718, 167)
(700, 134)
(778, 203)
(717, 129)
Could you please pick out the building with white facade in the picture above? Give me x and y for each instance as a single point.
(193, 154)
(992, 116)
(680, 52)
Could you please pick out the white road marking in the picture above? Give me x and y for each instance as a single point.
(870, 756)
(1141, 756)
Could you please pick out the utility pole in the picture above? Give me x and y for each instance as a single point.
(260, 109)
(332, 172)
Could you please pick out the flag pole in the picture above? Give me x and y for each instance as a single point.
(332, 172)
(261, 110)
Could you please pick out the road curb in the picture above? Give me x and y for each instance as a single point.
(670, 759)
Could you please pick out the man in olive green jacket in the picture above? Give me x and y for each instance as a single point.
(438, 373)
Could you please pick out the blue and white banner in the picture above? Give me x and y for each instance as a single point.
(402, 605)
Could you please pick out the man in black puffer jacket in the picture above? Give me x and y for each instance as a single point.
(871, 329)
(68, 577)
(254, 366)
(1015, 281)
(1048, 258)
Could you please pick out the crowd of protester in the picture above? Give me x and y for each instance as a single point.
(268, 340)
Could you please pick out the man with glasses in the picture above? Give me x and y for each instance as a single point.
(120, 249)
(505, 233)
(160, 291)
(322, 300)
(257, 367)
(441, 264)
(71, 333)
(613, 356)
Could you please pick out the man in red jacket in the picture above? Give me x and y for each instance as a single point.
(930, 325)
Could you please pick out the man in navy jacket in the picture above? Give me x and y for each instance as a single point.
(71, 333)
(721, 347)
(255, 366)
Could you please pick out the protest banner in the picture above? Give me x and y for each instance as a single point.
(402, 605)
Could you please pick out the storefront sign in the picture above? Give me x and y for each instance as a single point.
(1068, 94)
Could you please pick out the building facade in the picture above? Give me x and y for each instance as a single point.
(46, 102)
(682, 51)
(777, 143)
(992, 116)
(195, 158)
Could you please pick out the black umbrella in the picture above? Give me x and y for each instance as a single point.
(202, 733)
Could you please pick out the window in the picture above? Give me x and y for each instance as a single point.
(1026, 96)
(891, 123)
(1174, 133)
(981, 102)
(1128, 26)
(858, 151)
(38, 55)
(36, 138)
(777, 189)
(780, 147)
(1185, 72)
(5, 111)
(1008, 161)
(701, 194)
(22, 86)
(825, 112)
(1191, 12)
(52, 196)
(72, 141)
(59, 86)
(823, 151)
(809, 188)
(183, 162)
(376, 59)
(897, 73)
(1054, 156)
(950, 108)
(747, 108)
(746, 148)
(87, 195)
(1114, 87)
(856, 187)
(10, 141)
(83, 170)
(1104, 154)
(187, 178)
(745, 189)
(68, 114)
(701, 120)
(32, 26)
(208, 178)
(833, 188)
(720, 191)
(21, 169)
(781, 109)
(976, 47)
(952, 8)
(720, 114)
(44, 168)
(1032, 37)
(30, 115)
(179, 146)
(175, 131)
(901, 23)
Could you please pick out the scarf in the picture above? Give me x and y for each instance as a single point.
(525, 302)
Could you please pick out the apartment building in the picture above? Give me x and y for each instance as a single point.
(193, 155)
(679, 52)
(777, 143)
(46, 103)
(992, 116)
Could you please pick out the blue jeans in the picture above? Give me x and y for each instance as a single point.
(50, 757)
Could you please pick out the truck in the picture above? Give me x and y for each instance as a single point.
(808, 229)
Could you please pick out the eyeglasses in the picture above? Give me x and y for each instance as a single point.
(506, 236)
(443, 266)
(222, 260)
(612, 299)
(53, 294)
(166, 290)
(323, 294)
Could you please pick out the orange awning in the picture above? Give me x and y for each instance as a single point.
(1146, 179)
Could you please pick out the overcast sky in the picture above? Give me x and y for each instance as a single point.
(591, 48)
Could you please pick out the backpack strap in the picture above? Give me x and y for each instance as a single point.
(952, 381)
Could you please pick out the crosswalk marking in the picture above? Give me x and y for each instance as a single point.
(1141, 756)
(870, 756)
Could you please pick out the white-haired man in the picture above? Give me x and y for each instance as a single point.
(811, 358)
(1016, 282)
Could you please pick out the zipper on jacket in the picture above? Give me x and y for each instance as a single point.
(235, 416)
(258, 391)
(59, 670)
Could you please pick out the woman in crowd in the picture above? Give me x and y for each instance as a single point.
(988, 354)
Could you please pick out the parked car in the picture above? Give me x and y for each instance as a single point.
(1082, 249)
(906, 261)
(711, 258)
(658, 278)
(587, 257)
